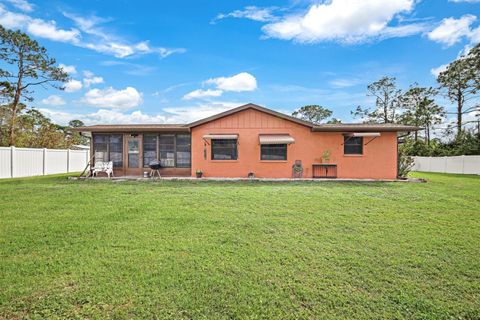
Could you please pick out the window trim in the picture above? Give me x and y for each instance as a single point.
(274, 160)
(236, 151)
(346, 139)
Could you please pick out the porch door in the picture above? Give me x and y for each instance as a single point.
(134, 160)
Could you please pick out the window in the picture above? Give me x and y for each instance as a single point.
(183, 151)
(170, 149)
(109, 148)
(224, 149)
(115, 149)
(353, 145)
(149, 149)
(273, 152)
(167, 150)
(100, 145)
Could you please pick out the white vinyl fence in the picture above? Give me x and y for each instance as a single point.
(460, 164)
(27, 162)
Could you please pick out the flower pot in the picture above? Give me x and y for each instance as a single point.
(199, 174)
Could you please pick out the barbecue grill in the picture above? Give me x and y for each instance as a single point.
(154, 168)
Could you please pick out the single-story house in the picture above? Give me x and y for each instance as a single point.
(251, 140)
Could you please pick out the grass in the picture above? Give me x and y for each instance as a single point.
(211, 250)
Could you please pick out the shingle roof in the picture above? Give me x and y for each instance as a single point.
(342, 127)
(363, 127)
(134, 127)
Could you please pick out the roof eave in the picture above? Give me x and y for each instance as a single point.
(130, 129)
(364, 129)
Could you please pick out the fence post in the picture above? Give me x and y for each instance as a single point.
(44, 171)
(12, 160)
(463, 164)
(68, 160)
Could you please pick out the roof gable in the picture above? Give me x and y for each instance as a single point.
(251, 106)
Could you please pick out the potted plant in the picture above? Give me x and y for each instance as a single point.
(326, 156)
(198, 173)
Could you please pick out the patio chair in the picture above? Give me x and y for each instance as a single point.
(101, 166)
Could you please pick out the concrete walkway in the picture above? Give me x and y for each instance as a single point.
(136, 178)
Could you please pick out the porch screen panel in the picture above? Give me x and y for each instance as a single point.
(100, 147)
(183, 151)
(115, 148)
(167, 150)
(149, 149)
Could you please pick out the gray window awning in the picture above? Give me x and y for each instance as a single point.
(276, 139)
(363, 134)
(220, 136)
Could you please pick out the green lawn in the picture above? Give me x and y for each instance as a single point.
(210, 250)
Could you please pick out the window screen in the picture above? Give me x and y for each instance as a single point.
(183, 151)
(224, 149)
(353, 145)
(273, 152)
(167, 150)
(149, 149)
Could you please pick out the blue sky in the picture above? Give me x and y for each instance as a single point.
(177, 61)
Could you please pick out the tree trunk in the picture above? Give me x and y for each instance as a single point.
(459, 113)
(16, 100)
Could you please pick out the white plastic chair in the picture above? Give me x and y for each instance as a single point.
(98, 167)
(101, 166)
(109, 168)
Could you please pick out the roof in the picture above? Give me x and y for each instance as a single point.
(364, 127)
(342, 127)
(134, 127)
(251, 106)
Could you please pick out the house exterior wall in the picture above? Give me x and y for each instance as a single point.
(379, 159)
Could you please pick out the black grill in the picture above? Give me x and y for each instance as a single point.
(154, 165)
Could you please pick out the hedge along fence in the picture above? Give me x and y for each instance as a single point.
(459, 164)
(27, 162)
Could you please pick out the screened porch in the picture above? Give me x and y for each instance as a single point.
(131, 153)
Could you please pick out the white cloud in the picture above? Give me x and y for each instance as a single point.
(68, 69)
(451, 30)
(199, 111)
(345, 21)
(249, 12)
(111, 44)
(90, 35)
(90, 78)
(111, 98)
(37, 27)
(49, 30)
(73, 85)
(169, 115)
(243, 81)
(344, 83)
(53, 100)
(199, 93)
(22, 5)
(436, 71)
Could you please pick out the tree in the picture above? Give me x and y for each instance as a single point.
(387, 101)
(461, 81)
(421, 109)
(76, 137)
(30, 66)
(313, 113)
